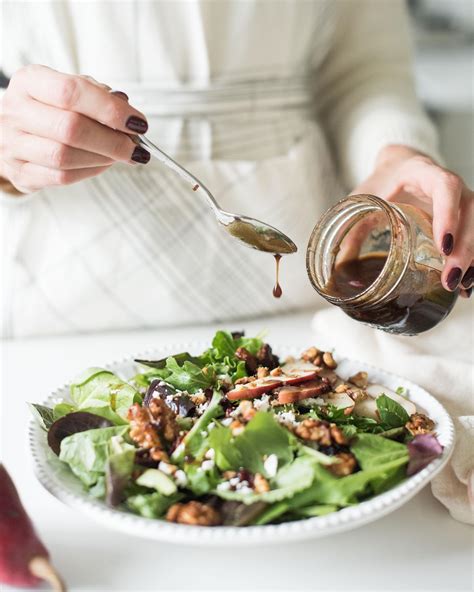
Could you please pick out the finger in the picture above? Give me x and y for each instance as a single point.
(445, 189)
(462, 257)
(466, 293)
(468, 278)
(52, 154)
(96, 82)
(120, 94)
(27, 177)
(77, 94)
(77, 131)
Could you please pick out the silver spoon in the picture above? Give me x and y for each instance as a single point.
(253, 233)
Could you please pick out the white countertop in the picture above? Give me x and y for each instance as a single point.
(418, 547)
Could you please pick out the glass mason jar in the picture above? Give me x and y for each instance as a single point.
(377, 261)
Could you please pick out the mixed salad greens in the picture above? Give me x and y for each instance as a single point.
(234, 436)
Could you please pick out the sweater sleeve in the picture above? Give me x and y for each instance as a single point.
(366, 89)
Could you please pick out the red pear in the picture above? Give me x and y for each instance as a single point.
(24, 560)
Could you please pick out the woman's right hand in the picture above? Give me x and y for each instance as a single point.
(57, 129)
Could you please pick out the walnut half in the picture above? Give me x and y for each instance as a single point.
(195, 513)
(420, 424)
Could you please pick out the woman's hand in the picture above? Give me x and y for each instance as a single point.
(404, 175)
(57, 129)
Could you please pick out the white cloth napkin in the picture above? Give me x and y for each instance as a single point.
(442, 362)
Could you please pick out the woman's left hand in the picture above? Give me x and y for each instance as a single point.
(405, 175)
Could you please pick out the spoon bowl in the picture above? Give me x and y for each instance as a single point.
(249, 231)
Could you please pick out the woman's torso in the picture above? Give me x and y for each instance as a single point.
(230, 89)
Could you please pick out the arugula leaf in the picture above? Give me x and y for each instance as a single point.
(392, 414)
(87, 452)
(43, 415)
(189, 377)
(105, 393)
(152, 505)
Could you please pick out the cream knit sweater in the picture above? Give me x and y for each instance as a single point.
(280, 105)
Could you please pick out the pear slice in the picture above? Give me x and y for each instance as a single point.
(368, 407)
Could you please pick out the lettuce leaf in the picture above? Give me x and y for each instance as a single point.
(373, 451)
(101, 392)
(87, 452)
(152, 505)
(189, 377)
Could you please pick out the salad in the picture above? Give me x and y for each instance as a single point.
(237, 436)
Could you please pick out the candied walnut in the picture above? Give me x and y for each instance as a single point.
(236, 427)
(260, 484)
(320, 431)
(250, 360)
(310, 354)
(195, 513)
(245, 380)
(153, 428)
(420, 424)
(329, 361)
(267, 358)
(341, 388)
(357, 394)
(246, 410)
(361, 379)
(276, 371)
(262, 372)
(346, 465)
(337, 434)
(229, 474)
(199, 398)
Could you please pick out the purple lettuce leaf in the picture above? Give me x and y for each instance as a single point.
(422, 450)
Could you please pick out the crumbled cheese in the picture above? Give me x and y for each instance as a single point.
(207, 465)
(246, 489)
(227, 421)
(234, 481)
(271, 465)
(319, 401)
(201, 408)
(224, 486)
(210, 454)
(262, 404)
(166, 468)
(287, 417)
(180, 478)
(241, 485)
(211, 426)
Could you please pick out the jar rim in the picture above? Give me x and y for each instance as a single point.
(398, 226)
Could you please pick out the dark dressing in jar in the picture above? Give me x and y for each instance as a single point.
(378, 262)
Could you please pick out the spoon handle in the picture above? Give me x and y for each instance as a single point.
(177, 168)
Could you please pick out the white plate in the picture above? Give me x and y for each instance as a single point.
(56, 477)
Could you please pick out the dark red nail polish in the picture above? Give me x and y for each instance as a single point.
(469, 292)
(120, 94)
(140, 155)
(468, 278)
(454, 277)
(136, 124)
(448, 244)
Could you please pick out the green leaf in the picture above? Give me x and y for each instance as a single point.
(118, 469)
(62, 409)
(373, 451)
(316, 510)
(43, 415)
(263, 435)
(193, 442)
(200, 482)
(392, 414)
(189, 377)
(103, 393)
(87, 452)
(227, 456)
(152, 505)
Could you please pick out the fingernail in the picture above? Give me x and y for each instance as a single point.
(468, 278)
(140, 155)
(136, 124)
(448, 244)
(453, 278)
(120, 94)
(469, 292)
